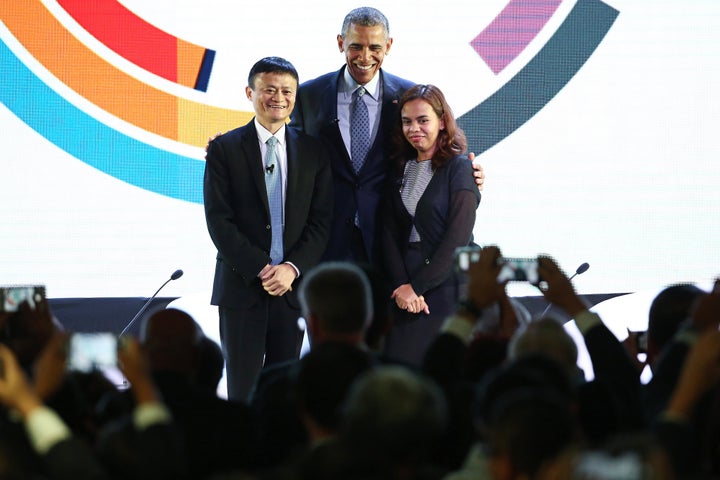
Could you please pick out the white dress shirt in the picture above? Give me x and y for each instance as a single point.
(347, 87)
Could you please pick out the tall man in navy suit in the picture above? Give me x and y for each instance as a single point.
(264, 245)
(324, 109)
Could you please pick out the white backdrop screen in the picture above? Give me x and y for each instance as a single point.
(596, 123)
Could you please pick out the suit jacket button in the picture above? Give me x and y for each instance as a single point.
(268, 227)
(427, 261)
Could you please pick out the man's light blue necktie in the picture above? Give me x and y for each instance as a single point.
(273, 184)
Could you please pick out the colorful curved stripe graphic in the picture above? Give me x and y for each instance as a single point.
(180, 177)
(512, 30)
(143, 44)
(109, 88)
(541, 79)
(93, 142)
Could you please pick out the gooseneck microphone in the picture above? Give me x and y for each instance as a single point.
(578, 271)
(175, 275)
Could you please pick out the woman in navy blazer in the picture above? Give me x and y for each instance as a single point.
(430, 212)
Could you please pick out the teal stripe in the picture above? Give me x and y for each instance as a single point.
(93, 142)
(541, 79)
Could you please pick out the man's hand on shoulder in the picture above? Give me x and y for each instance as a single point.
(478, 171)
(210, 139)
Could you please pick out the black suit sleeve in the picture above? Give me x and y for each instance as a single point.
(612, 366)
(296, 117)
(72, 459)
(460, 225)
(390, 240)
(233, 245)
(666, 372)
(309, 248)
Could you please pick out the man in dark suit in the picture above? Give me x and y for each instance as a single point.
(263, 245)
(325, 108)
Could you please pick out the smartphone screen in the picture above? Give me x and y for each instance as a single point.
(464, 256)
(519, 270)
(92, 351)
(12, 296)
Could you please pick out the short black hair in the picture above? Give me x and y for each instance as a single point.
(271, 65)
(366, 17)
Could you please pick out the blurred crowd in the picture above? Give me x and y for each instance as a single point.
(506, 402)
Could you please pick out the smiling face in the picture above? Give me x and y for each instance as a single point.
(273, 98)
(421, 126)
(365, 49)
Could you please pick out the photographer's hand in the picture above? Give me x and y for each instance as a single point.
(701, 371)
(15, 390)
(50, 366)
(509, 322)
(29, 330)
(135, 366)
(556, 287)
(483, 287)
(631, 345)
(706, 312)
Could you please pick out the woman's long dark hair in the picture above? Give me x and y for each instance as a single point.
(451, 140)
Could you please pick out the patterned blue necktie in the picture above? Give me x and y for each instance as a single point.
(273, 184)
(359, 130)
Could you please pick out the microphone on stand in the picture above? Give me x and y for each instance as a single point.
(579, 271)
(175, 275)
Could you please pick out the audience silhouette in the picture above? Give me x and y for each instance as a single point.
(492, 400)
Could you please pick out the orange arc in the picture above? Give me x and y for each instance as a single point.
(109, 88)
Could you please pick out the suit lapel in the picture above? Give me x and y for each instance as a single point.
(294, 172)
(293, 167)
(389, 113)
(329, 106)
(253, 156)
(328, 110)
